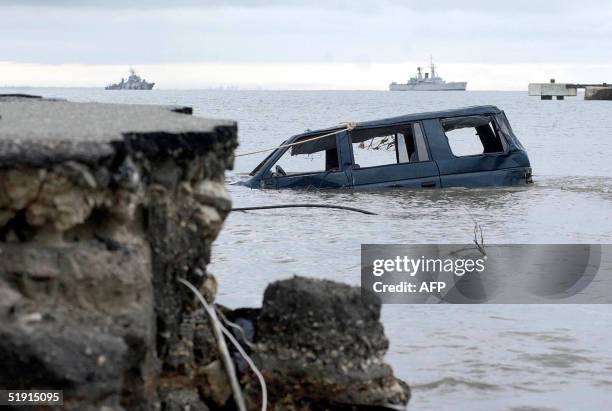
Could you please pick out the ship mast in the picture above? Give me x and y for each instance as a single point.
(433, 67)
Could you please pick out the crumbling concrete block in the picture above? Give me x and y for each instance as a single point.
(102, 208)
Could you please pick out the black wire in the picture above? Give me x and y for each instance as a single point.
(357, 210)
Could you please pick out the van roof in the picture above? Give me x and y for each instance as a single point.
(407, 118)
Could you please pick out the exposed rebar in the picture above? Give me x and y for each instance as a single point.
(223, 350)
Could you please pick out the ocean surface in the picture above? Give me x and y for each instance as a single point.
(485, 357)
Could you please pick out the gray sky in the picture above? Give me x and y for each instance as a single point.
(130, 32)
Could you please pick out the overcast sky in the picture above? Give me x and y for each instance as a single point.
(303, 44)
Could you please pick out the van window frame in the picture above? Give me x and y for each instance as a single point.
(270, 171)
(394, 131)
(496, 130)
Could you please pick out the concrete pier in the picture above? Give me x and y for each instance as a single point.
(547, 91)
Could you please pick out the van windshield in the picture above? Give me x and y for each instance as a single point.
(260, 165)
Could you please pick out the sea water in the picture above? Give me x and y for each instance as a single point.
(485, 357)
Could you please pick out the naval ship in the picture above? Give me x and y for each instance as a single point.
(428, 83)
(134, 82)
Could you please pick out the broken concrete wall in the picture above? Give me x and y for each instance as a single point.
(102, 208)
(94, 231)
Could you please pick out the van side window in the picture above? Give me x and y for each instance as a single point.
(473, 135)
(404, 146)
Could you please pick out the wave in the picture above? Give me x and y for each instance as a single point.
(450, 382)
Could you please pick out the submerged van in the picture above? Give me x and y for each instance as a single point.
(468, 147)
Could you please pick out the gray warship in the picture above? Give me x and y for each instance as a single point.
(134, 82)
(428, 83)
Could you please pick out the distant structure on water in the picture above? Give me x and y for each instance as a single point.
(547, 91)
(134, 82)
(428, 82)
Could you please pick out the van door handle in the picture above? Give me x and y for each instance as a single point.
(428, 184)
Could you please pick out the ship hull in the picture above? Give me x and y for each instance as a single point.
(148, 86)
(452, 86)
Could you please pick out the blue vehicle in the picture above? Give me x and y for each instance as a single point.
(468, 147)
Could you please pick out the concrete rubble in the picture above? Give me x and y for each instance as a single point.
(321, 345)
(102, 208)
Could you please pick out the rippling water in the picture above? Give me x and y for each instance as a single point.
(487, 357)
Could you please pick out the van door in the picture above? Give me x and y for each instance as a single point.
(399, 159)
